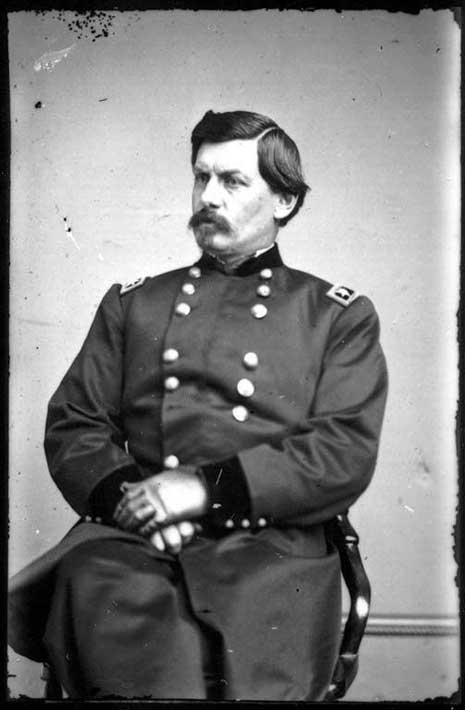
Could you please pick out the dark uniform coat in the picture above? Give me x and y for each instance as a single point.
(269, 365)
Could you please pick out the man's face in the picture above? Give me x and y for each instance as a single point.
(233, 207)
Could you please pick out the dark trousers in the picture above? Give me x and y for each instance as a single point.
(120, 624)
(127, 622)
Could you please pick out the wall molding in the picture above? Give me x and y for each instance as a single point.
(391, 625)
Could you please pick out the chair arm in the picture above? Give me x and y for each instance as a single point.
(346, 541)
(52, 690)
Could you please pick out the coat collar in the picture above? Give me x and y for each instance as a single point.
(269, 259)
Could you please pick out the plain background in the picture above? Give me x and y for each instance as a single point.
(100, 146)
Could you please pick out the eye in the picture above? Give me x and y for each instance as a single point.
(201, 178)
(232, 181)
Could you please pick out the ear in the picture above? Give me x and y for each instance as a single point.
(284, 205)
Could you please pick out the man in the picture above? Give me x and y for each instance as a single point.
(215, 419)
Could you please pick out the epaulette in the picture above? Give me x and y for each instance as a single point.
(342, 294)
(125, 288)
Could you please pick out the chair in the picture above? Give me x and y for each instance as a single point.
(346, 541)
(353, 572)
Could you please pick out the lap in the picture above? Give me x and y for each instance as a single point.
(122, 616)
(275, 612)
(115, 559)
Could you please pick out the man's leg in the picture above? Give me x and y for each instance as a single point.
(120, 625)
(278, 614)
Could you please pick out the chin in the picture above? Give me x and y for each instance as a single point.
(216, 242)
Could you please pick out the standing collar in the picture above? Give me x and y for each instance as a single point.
(267, 260)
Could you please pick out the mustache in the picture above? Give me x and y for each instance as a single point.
(208, 216)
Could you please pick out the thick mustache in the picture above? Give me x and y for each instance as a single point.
(206, 216)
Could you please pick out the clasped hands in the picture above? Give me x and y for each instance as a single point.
(161, 508)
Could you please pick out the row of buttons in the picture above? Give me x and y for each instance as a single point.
(195, 273)
(245, 387)
(245, 523)
(182, 308)
(250, 360)
(229, 524)
(258, 310)
(171, 355)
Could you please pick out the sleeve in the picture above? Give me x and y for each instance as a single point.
(107, 494)
(312, 476)
(84, 439)
(227, 491)
(224, 482)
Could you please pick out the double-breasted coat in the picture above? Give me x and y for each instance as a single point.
(268, 364)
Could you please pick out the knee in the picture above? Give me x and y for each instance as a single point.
(86, 559)
(116, 564)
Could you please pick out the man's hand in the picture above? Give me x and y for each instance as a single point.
(140, 507)
(154, 506)
(174, 537)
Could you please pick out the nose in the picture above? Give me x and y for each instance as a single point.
(211, 193)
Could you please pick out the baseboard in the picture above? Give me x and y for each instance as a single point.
(392, 625)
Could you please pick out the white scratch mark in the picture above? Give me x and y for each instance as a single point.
(410, 510)
(216, 505)
(70, 235)
(100, 257)
(219, 476)
(50, 59)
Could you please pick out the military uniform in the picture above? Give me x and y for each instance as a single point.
(267, 374)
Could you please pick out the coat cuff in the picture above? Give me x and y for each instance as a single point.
(107, 494)
(228, 493)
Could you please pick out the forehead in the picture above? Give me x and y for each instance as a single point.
(236, 155)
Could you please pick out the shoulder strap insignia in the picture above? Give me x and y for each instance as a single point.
(132, 285)
(342, 294)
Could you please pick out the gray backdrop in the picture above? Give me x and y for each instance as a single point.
(100, 146)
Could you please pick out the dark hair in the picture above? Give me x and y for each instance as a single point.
(278, 156)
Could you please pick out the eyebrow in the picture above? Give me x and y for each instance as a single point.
(222, 173)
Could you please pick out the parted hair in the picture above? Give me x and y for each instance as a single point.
(278, 156)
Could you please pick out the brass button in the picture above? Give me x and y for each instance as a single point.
(183, 309)
(229, 524)
(188, 289)
(171, 384)
(170, 355)
(195, 272)
(245, 387)
(245, 523)
(259, 310)
(171, 461)
(266, 274)
(250, 360)
(263, 290)
(240, 413)
(98, 520)
(261, 522)
(88, 519)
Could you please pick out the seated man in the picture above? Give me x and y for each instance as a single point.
(216, 417)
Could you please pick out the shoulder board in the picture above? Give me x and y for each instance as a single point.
(342, 294)
(132, 285)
